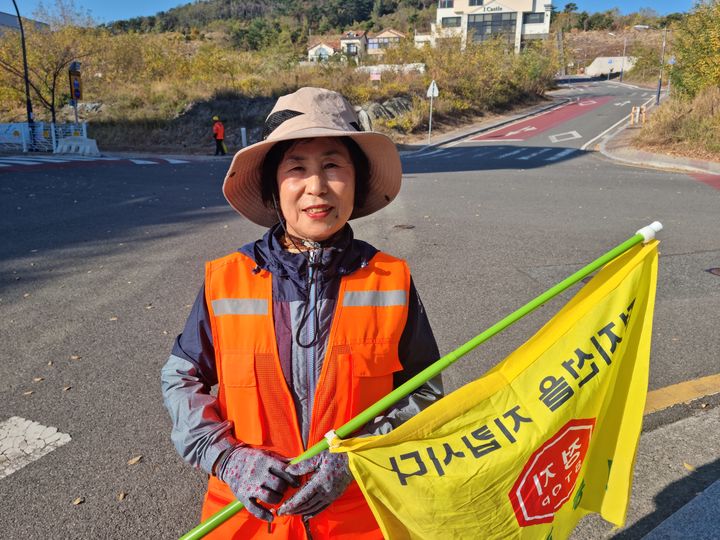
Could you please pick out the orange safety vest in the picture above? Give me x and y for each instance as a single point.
(361, 357)
(219, 130)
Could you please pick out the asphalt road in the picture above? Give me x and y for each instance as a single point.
(99, 264)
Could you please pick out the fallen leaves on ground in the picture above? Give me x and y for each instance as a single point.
(75, 357)
(79, 500)
(28, 392)
(689, 467)
(38, 379)
(122, 495)
(135, 460)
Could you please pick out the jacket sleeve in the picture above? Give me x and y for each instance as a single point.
(199, 433)
(417, 350)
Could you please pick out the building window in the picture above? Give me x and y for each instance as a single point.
(533, 18)
(450, 22)
(352, 49)
(492, 25)
(446, 4)
(476, 2)
(382, 43)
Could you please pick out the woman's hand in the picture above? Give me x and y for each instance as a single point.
(331, 477)
(254, 475)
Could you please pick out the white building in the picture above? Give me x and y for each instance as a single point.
(519, 21)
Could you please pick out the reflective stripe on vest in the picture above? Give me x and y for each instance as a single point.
(240, 306)
(361, 358)
(375, 298)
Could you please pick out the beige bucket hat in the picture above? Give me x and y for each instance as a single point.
(307, 113)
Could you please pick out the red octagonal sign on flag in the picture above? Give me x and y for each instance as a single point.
(548, 478)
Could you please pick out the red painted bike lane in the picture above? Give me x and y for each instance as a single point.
(526, 129)
(712, 180)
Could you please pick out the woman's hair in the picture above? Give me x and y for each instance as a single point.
(269, 186)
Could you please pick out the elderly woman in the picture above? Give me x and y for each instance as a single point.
(301, 330)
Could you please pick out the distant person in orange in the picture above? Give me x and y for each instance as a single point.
(219, 136)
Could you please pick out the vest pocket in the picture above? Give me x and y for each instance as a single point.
(241, 396)
(371, 367)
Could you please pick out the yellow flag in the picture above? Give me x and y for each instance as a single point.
(545, 437)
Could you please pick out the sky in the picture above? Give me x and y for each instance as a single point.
(104, 11)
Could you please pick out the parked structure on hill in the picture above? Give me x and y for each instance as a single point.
(518, 21)
(353, 44)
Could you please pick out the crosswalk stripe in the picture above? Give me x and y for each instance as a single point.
(11, 161)
(483, 152)
(503, 156)
(24, 441)
(561, 154)
(175, 161)
(143, 162)
(535, 154)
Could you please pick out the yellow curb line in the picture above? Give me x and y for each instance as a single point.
(683, 392)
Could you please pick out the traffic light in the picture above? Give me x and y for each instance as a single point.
(75, 82)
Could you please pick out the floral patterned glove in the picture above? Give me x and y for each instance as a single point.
(254, 475)
(331, 477)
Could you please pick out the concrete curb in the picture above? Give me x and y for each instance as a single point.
(640, 158)
(655, 161)
(685, 523)
(557, 102)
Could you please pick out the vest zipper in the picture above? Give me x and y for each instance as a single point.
(311, 330)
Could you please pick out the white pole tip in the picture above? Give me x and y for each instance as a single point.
(650, 231)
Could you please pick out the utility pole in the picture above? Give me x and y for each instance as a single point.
(561, 51)
(662, 65)
(622, 65)
(28, 103)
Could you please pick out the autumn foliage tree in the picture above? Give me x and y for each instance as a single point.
(50, 50)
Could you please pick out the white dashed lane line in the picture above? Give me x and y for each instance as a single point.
(24, 441)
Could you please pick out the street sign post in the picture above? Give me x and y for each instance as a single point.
(75, 86)
(432, 92)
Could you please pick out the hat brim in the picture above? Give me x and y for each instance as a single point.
(242, 186)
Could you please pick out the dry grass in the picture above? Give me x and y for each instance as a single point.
(160, 91)
(686, 127)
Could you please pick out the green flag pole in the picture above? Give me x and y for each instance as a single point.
(643, 235)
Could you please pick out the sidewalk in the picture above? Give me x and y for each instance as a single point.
(617, 146)
(675, 488)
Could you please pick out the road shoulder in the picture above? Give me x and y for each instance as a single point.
(618, 147)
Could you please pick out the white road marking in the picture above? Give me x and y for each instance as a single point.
(503, 156)
(567, 136)
(143, 162)
(561, 154)
(535, 154)
(24, 441)
(586, 103)
(521, 130)
(485, 151)
(434, 152)
(13, 161)
(625, 119)
(42, 159)
(175, 161)
(622, 103)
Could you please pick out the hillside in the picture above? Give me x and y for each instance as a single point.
(268, 19)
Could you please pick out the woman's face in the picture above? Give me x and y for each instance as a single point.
(316, 181)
